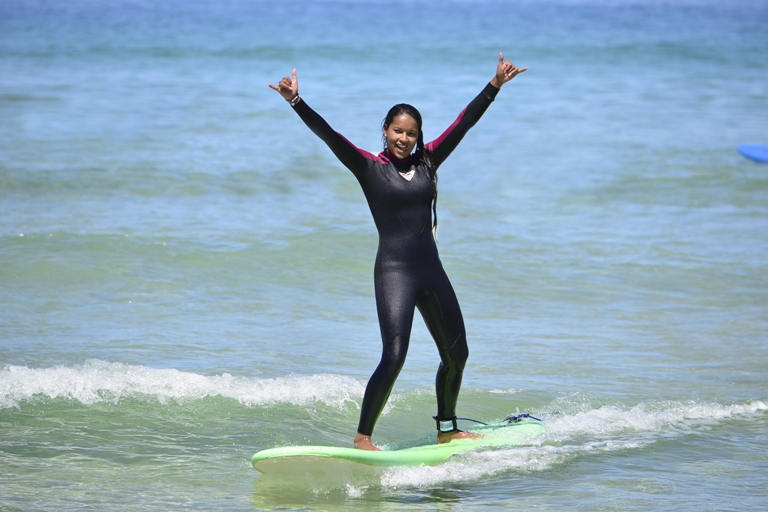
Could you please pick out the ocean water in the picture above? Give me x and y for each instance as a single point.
(186, 271)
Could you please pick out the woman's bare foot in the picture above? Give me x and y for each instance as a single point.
(363, 442)
(447, 437)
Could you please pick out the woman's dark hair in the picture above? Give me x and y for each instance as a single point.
(422, 154)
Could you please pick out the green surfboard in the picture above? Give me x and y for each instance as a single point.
(493, 435)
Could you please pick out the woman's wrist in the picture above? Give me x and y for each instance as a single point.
(293, 101)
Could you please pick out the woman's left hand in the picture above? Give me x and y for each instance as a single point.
(505, 71)
(288, 87)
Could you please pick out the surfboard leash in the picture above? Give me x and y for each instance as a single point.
(512, 418)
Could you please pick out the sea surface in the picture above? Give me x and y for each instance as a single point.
(186, 271)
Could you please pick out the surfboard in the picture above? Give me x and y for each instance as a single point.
(757, 152)
(493, 435)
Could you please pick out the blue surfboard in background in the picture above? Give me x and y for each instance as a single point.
(757, 152)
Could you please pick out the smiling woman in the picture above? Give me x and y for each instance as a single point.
(400, 186)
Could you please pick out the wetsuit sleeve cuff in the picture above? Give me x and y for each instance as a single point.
(298, 106)
(490, 92)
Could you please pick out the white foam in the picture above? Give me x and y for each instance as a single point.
(473, 466)
(100, 381)
(605, 429)
(510, 391)
(668, 416)
(354, 492)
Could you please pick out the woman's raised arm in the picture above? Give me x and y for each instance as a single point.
(450, 138)
(353, 158)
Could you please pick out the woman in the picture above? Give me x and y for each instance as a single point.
(400, 185)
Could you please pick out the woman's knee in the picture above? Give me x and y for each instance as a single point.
(456, 356)
(393, 356)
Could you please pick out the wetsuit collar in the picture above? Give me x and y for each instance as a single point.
(399, 162)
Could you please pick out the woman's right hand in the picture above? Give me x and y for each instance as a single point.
(288, 87)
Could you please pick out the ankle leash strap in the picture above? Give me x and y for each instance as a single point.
(448, 425)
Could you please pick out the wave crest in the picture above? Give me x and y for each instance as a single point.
(100, 381)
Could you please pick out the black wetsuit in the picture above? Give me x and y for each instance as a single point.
(408, 271)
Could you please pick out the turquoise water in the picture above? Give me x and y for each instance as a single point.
(186, 271)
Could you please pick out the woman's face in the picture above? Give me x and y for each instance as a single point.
(401, 136)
